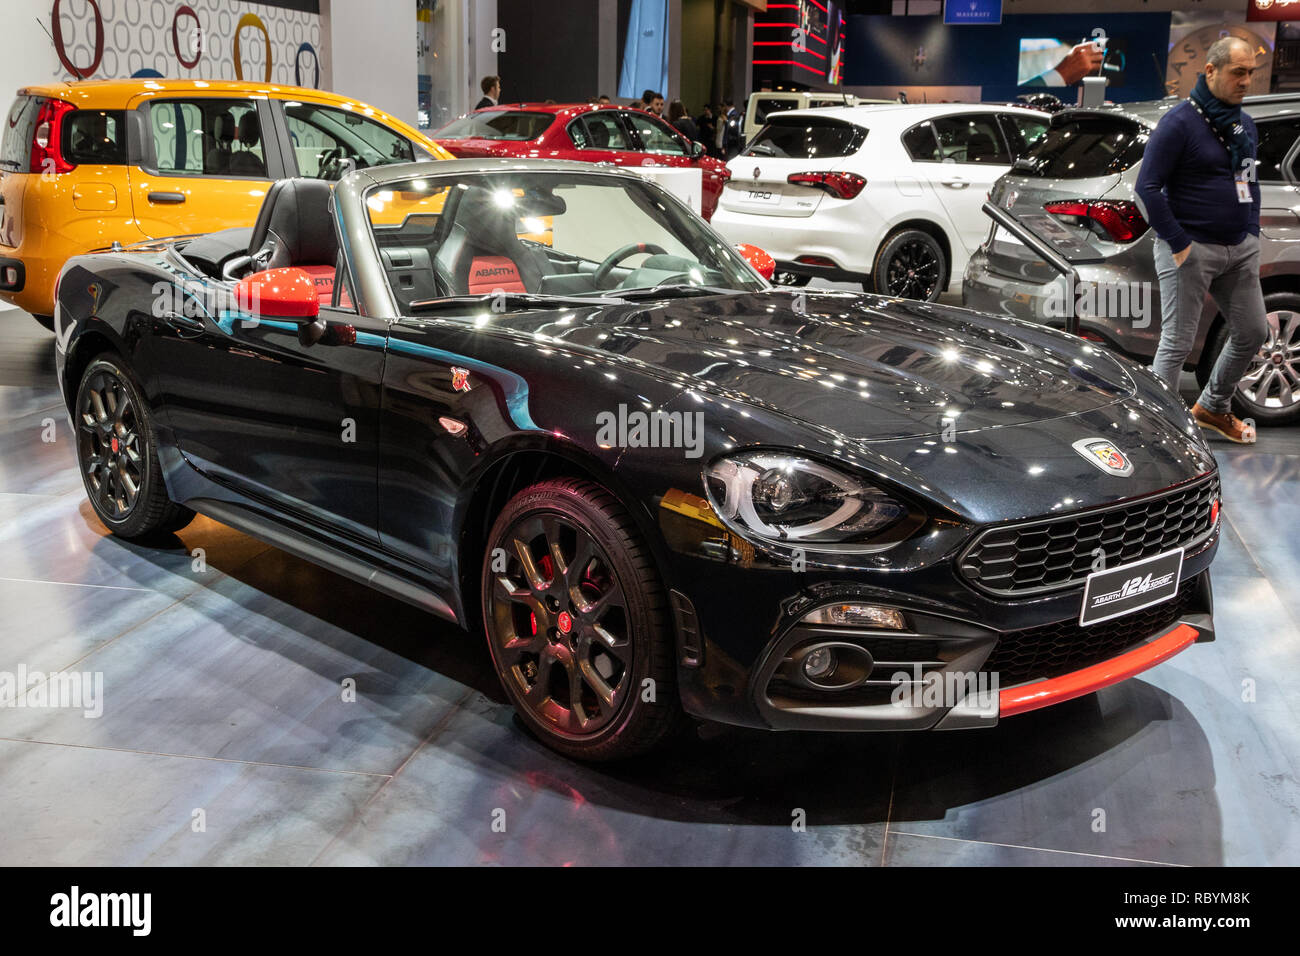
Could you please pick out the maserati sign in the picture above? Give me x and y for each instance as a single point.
(965, 12)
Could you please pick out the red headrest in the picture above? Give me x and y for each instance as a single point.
(323, 278)
(489, 273)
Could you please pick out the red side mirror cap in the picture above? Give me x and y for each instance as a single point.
(287, 293)
(763, 264)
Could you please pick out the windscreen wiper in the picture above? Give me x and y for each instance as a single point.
(504, 302)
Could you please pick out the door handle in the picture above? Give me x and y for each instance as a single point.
(167, 198)
(956, 182)
(182, 323)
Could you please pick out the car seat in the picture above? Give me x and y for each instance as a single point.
(244, 162)
(217, 158)
(487, 254)
(295, 228)
(981, 148)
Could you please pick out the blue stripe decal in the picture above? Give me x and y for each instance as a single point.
(228, 317)
(516, 388)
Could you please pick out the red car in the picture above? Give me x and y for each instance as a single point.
(592, 134)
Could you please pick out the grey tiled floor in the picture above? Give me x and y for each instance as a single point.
(225, 738)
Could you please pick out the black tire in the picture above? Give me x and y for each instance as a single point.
(791, 279)
(45, 320)
(117, 449)
(626, 640)
(909, 264)
(1261, 395)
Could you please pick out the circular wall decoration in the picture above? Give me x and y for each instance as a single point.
(79, 72)
(252, 20)
(196, 35)
(297, 65)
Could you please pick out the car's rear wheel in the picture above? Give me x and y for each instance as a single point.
(118, 452)
(577, 622)
(1269, 392)
(910, 264)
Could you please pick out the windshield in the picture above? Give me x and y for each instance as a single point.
(497, 124)
(544, 233)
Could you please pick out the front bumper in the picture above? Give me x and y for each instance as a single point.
(964, 659)
(952, 675)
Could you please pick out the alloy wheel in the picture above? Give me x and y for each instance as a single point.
(1272, 379)
(913, 271)
(560, 625)
(110, 446)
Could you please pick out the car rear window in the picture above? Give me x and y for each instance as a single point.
(16, 147)
(97, 137)
(1084, 146)
(806, 137)
(765, 107)
(498, 124)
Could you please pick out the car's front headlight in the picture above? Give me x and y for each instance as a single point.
(788, 500)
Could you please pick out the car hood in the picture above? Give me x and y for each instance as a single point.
(867, 367)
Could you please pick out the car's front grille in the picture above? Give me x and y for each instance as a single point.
(1058, 553)
(1055, 649)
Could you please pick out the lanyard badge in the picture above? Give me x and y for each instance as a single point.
(1246, 175)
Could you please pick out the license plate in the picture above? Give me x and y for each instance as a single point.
(765, 196)
(1131, 587)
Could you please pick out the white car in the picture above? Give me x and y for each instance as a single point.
(887, 195)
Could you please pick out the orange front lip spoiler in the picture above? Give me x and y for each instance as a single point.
(1019, 700)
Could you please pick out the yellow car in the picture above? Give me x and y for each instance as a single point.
(84, 165)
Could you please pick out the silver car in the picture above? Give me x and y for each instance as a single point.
(1078, 184)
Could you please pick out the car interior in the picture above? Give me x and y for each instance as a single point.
(294, 228)
(473, 247)
(477, 247)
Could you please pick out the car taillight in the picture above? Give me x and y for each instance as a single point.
(1119, 217)
(46, 154)
(842, 185)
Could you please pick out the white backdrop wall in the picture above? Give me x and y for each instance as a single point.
(364, 48)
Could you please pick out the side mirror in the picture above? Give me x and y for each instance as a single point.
(762, 263)
(287, 293)
(697, 149)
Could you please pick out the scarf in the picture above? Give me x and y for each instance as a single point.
(1226, 122)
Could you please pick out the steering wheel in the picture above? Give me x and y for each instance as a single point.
(618, 255)
(334, 164)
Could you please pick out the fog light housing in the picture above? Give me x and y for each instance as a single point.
(819, 664)
(856, 615)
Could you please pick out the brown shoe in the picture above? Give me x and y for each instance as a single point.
(1228, 425)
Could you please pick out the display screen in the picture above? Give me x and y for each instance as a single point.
(1065, 61)
(801, 42)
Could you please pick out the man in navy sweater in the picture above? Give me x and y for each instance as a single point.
(1199, 192)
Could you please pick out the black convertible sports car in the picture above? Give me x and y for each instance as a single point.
(545, 400)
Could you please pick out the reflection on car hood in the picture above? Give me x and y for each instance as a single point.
(868, 367)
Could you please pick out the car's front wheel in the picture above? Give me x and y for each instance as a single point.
(910, 264)
(577, 622)
(1269, 392)
(118, 453)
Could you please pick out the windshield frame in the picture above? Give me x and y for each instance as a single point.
(436, 176)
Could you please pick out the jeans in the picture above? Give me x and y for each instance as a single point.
(1230, 274)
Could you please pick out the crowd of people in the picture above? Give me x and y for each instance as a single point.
(718, 127)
